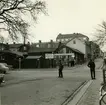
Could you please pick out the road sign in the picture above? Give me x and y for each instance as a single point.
(49, 56)
(64, 54)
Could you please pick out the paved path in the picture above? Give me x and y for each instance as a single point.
(91, 96)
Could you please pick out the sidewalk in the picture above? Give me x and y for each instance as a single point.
(91, 95)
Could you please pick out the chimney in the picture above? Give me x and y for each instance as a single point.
(51, 41)
(28, 43)
(40, 41)
(13, 42)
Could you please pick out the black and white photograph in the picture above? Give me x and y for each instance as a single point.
(52, 52)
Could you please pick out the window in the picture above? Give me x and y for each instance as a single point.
(74, 42)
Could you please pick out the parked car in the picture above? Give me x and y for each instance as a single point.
(4, 68)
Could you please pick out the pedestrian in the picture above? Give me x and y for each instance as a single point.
(72, 61)
(91, 65)
(2, 77)
(60, 69)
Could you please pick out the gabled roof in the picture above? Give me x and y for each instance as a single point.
(42, 50)
(13, 52)
(62, 36)
(75, 50)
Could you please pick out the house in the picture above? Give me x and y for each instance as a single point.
(19, 47)
(10, 53)
(17, 51)
(80, 42)
(47, 54)
(40, 55)
(7, 55)
(77, 44)
(65, 53)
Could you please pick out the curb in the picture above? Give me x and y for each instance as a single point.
(77, 94)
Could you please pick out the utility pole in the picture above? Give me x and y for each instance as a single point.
(24, 40)
(19, 63)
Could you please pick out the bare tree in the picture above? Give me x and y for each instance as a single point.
(101, 34)
(11, 19)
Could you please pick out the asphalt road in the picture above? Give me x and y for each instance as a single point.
(42, 87)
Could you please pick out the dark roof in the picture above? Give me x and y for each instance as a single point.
(42, 50)
(62, 36)
(45, 44)
(13, 52)
(15, 45)
(43, 47)
(76, 50)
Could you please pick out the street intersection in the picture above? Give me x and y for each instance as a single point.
(43, 87)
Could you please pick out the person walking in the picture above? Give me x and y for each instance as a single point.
(91, 65)
(72, 61)
(60, 69)
(2, 77)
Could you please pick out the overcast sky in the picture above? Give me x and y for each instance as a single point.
(69, 16)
